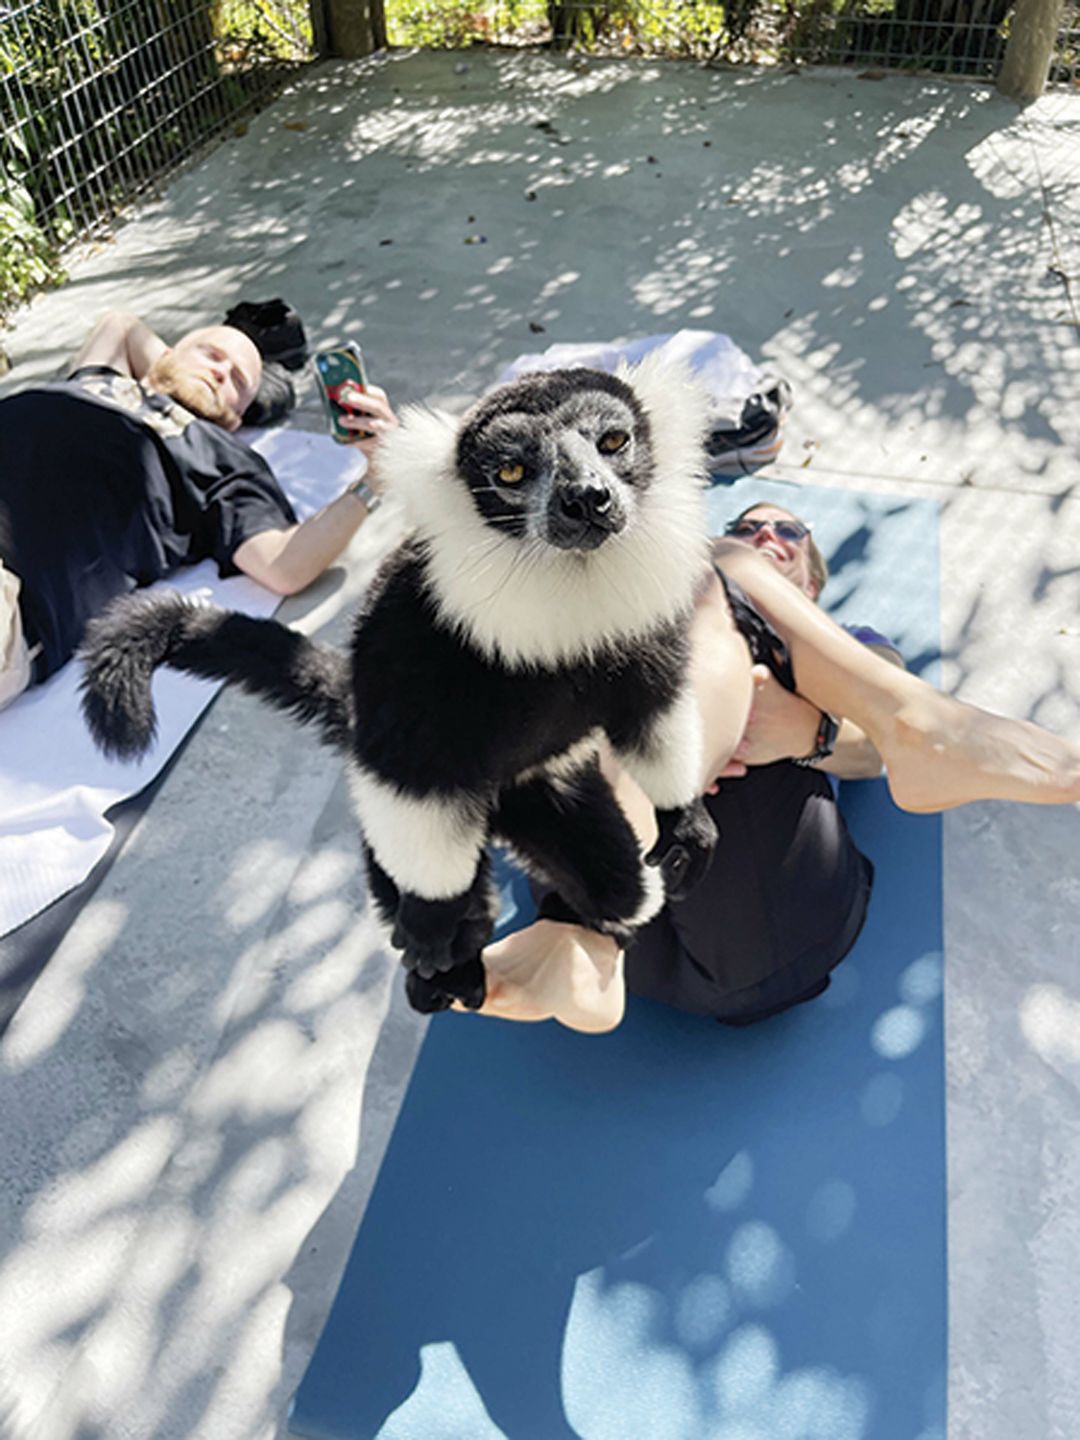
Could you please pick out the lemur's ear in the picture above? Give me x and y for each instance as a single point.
(416, 461)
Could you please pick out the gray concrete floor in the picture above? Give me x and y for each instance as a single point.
(198, 1089)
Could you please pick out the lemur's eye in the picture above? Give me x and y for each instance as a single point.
(512, 474)
(612, 441)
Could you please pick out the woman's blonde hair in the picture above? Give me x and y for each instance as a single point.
(819, 568)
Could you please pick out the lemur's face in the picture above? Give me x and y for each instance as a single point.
(561, 457)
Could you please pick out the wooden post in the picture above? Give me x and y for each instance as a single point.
(348, 28)
(1031, 44)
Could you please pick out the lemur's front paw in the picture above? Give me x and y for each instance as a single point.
(427, 956)
(683, 847)
(465, 982)
(436, 936)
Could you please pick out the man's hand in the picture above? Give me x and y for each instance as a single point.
(370, 415)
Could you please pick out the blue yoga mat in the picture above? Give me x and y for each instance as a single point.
(681, 1231)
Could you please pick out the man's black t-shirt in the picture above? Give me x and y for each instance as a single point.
(105, 486)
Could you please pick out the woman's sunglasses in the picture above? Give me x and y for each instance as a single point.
(790, 530)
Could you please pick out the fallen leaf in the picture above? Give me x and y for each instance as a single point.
(294, 124)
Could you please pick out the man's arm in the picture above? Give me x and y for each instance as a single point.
(122, 342)
(288, 560)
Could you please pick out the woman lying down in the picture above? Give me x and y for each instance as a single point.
(787, 697)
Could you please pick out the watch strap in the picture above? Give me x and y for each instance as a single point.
(824, 740)
(363, 491)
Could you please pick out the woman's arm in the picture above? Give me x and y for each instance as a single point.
(784, 726)
(938, 752)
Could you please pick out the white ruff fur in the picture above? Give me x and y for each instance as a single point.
(523, 605)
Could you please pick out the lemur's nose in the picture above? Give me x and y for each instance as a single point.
(585, 501)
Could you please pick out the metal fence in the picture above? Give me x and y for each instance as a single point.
(955, 37)
(99, 98)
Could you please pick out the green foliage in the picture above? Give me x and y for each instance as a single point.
(963, 36)
(99, 98)
(28, 257)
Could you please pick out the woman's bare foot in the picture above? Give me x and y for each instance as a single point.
(941, 752)
(555, 971)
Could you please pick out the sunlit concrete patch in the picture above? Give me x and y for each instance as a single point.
(1050, 1021)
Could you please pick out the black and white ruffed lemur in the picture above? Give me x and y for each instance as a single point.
(542, 598)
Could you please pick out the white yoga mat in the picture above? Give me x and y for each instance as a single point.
(55, 786)
(728, 373)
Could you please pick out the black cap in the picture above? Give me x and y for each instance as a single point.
(275, 328)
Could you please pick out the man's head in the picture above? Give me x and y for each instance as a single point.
(786, 541)
(214, 372)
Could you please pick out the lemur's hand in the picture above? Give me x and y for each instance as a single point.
(683, 847)
(464, 983)
(427, 956)
(441, 942)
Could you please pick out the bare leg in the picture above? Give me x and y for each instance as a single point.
(938, 752)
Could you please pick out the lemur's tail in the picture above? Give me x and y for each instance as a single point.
(137, 633)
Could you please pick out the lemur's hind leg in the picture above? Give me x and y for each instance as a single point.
(464, 980)
(571, 832)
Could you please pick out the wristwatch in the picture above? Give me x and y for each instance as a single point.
(363, 491)
(824, 741)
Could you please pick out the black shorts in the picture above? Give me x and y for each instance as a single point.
(782, 903)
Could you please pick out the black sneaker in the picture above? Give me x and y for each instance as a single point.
(275, 328)
(274, 398)
(756, 437)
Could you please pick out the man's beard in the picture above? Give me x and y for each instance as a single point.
(168, 378)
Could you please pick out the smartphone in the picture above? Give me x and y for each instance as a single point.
(333, 369)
